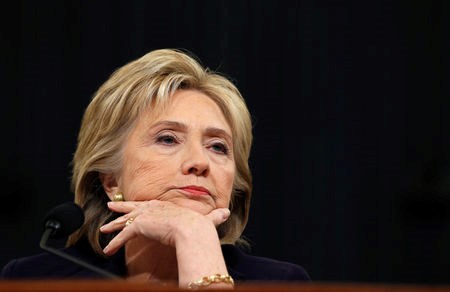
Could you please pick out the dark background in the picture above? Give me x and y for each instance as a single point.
(351, 107)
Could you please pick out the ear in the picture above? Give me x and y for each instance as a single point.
(109, 183)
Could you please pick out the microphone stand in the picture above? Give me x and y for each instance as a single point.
(43, 244)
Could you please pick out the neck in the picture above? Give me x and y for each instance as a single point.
(149, 260)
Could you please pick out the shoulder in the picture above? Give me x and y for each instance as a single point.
(246, 267)
(42, 265)
(46, 265)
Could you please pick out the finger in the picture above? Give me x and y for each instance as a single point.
(119, 240)
(218, 216)
(123, 207)
(118, 223)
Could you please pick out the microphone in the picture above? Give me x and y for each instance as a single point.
(62, 221)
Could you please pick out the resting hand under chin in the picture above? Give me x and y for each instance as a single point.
(161, 221)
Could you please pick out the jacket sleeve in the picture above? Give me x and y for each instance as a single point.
(8, 270)
(297, 273)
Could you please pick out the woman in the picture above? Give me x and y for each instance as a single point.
(161, 171)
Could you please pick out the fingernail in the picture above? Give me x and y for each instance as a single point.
(102, 228)
(106, 249)
(226, 213)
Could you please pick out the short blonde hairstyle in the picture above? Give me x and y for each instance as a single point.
(150, 82)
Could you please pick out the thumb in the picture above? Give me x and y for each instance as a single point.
(218, 216)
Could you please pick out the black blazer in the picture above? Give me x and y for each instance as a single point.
(241, 266)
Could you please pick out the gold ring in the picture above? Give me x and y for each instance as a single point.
(129, 221)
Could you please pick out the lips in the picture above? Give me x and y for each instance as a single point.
(195, 190)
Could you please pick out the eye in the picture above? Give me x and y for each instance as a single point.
(166, 139)
(220, 148)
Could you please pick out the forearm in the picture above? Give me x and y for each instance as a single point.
(199, 256)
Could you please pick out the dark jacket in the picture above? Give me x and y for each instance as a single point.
(241, 266)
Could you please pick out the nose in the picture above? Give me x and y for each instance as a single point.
(195, 161)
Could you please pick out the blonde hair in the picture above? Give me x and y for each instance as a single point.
(150, 81)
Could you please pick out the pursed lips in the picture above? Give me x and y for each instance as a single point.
(196, 190)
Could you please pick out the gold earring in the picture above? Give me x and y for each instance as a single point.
(118, 197)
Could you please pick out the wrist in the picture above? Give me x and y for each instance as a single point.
(215, 279)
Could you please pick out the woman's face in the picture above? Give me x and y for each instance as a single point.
(183, 155)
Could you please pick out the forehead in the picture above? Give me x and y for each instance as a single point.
(190, 107)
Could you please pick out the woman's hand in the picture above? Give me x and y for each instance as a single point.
(161, 221)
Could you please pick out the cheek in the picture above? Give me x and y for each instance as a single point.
(143, 180)
(225, 184)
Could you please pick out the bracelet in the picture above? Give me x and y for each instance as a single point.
(208, 280)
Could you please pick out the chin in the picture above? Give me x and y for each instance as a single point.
(197, 206)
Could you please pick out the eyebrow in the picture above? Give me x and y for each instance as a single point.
(170, 124)
(210, 131)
